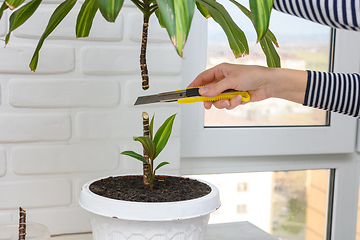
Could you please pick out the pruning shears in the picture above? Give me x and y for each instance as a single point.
(189, 95)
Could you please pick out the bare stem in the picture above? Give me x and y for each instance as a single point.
(146, 133)
(22, 223)
(143, 66)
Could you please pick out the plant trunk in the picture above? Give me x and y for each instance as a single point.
(143, 66)
(146, 133)
(22, 223)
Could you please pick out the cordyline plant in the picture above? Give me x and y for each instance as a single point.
(174, 15)
(153, 145)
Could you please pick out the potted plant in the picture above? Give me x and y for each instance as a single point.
(176, 16)
(171, 207)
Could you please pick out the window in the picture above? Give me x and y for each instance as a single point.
(274, 140)
(278, 149)
(286, 204)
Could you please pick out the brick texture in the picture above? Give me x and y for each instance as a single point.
(64, 159)
(35, 193)
(100, 30)
(108, 125)
(125, 60)
(3, 164)
(63, 93)
(15, 59)
(30, 127)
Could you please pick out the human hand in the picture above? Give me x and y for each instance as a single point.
(231, 76)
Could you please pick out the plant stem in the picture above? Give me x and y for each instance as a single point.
(143, 66)
(146, 133)
(22, 223)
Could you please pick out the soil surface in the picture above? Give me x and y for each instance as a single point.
(166, 189)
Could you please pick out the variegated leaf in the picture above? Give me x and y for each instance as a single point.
(58, 15)
(236, 37)
(21, 15)
(85, 18)
(110, 8)
(261, 10)
(163, 133)
(148, 145)
(176, 15)
(135, 155)
(12, 4)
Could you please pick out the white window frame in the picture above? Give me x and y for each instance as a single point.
(339, 137)
(211, 151)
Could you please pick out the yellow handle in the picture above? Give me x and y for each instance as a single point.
(245, 97)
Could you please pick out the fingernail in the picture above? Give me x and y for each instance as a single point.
(203, 90)
(237, 99)
(225, 104)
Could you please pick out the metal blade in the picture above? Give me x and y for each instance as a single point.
(147, 99)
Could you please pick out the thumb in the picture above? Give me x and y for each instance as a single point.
(214, 89)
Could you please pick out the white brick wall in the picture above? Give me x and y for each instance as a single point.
(32, 127)
(63, 93)
(3, 164)
(66, 123)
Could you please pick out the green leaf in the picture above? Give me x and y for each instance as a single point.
(176, 15)
(85, 18)
(148, 145)
(161, 22)
(272, 57)
(163, 133)
(58, 15)
(21, 15)
(236, 37)
(261, 10)
(203, 10)
(160, 165)
(134, 155)
(151, 127)
(2, 9)
(249, 15)
(12, 4)
(272, 37)
(110, 8)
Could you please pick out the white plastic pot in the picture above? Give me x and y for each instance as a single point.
(125, 220)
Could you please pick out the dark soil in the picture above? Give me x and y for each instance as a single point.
(166, 189)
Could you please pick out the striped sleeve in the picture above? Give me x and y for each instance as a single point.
(336, 92)
(343, 14)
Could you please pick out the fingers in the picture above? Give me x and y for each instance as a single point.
(214, 89)
(225, 103)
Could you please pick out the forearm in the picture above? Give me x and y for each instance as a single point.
(287, 84)
(336, 92)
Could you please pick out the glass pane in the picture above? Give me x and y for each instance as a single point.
(303, 45)
(290, 205)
